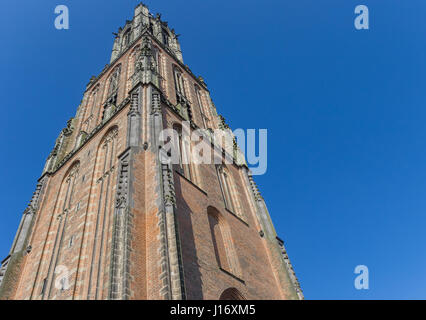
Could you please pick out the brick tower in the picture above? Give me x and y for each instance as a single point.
(111, 220)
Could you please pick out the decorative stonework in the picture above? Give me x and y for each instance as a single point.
(114, 81)
(255, 189)
(144, 21)
(120, 243)
(27, 218)
(81, 139)
(112, 135)
(60, 146)
(170, 233)
(222, 123)
(292, 274)
(146, 66)
(135, 102)
(168, 185)
(156, 105)
(123, 185)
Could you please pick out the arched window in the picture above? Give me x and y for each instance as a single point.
(157, 65)
(204, 117)
(90, 108)
(231, 294)
(181, 145)
(222, 242)
(94, 100)
(91, 102)
(157, 59)
(131, 66)
(165, 36)
(179, 83)
(228, 189)
(102, 203)
(114, 81)
(62, 210)
(112, 97)
(127, 37)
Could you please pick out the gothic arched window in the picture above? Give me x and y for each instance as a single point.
(114, 81)
(204, 117)
(222, 242)
(127, 38)
(165, 36)
(156, 56)
(226, 187)
(179, 83)
(102, 202)
(183, 149)
(63, 207)
(94, 100)
(131, 67)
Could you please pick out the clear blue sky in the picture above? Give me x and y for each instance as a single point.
(345, 112)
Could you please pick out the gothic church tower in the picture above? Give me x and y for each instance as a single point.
(110, 220)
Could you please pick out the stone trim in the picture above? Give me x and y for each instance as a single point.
(177, 286)
(191, 182)
(292, 273)
(119, 287)
(233, 214)
(232, 275)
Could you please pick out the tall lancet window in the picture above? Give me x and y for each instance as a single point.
(165, 35)
(230, 195)
(114, 81)
(157, 60)
(183, 149)
(179, 83)
(204, 116)
(157, 67)
(58, 230)
(127, 38)
(94, 100)
(111, 102)
(101, 195)
(223, 244)
(91, 105)
(131, 67)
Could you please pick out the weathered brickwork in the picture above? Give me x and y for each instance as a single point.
(109, 220)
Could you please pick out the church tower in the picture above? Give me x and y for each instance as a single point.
(113, 218)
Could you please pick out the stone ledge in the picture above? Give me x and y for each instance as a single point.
(236, 216)
(232, 275)
(192, 183)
